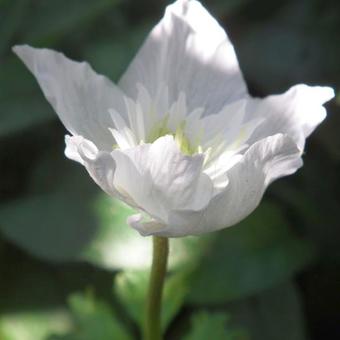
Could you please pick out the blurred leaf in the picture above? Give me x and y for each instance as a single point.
(213, 326)
(52, 226)
(131, 289)
(257, 254)
(273, 314)
(54, 19)
(21, 103)
(67, 217)
(33, 325)
(31, 303)
(33, 294)
(28, 284)
(115, 239)
(94, 320)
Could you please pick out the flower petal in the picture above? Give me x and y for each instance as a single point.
(159, 178)
(297, 112)
(265, 161)
(145, 228)
(99, 164)
(189, 52)
(80, 97)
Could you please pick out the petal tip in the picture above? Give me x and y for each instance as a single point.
(20, 49)
(328, 93)
(17, 49)
(321, 94)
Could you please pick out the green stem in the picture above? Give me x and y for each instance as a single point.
(152, 327)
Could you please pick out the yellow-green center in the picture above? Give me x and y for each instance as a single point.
(161, 129)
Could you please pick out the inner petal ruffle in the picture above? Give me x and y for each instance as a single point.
(159, 178)
(220, 138)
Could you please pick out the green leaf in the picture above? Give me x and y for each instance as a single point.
(33, 325)
(67, 217)
(117, 245)
(31, 303)
(274, 314)
(131, 290)
(72, 226)
(94, 320)
(256, 254)
(33, 295)
(52, 226)
(213, 326)
(55, 224)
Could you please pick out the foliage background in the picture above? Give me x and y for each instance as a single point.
(70, 268)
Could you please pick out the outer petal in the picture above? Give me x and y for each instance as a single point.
(159, 178)
(189, 52)
(297, 112)
(265, 161)
(99, 164)
(80, 96)
(145, 227)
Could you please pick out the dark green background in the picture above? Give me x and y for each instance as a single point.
(70, 268)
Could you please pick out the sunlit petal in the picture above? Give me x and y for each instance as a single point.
(189, 52)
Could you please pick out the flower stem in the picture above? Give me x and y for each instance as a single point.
(152, 327)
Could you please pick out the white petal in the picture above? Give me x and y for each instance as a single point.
(122, 132)
(226, 123)
(189, 52)
(144, 227)
(99, 164)
(72, 145)
(297, 112)
(80, 97)
(265, 161)
(159, 178)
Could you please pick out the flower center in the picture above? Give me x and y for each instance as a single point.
(161, 129)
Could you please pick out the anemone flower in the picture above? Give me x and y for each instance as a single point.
(179, 138)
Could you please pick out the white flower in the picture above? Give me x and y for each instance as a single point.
(179, 138)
